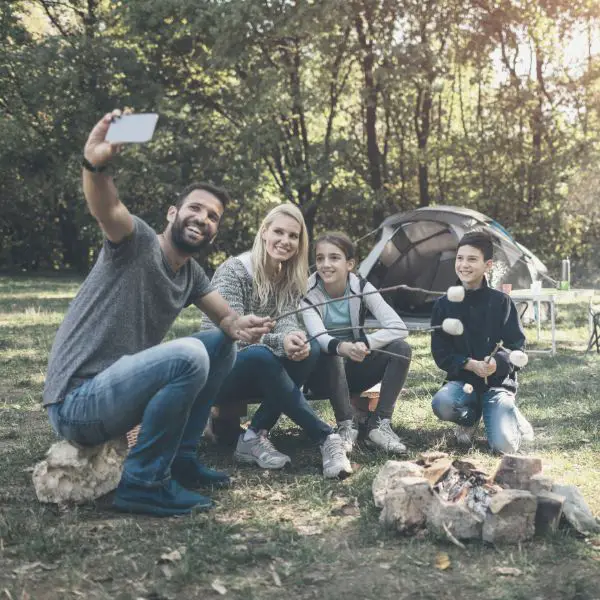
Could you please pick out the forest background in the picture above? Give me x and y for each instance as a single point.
(351, 109)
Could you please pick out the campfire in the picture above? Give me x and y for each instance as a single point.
(460, 500)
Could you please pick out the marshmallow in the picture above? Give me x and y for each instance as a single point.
(518, 358)
(468, 388)
(453, 326)
(456, 293)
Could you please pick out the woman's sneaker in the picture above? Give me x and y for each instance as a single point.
(384, 437)
(260, 451)
(335, 461)
(348, 433)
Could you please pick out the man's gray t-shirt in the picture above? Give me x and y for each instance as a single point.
(127, 304)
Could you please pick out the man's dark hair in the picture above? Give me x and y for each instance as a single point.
(217, 192)
(480, 240)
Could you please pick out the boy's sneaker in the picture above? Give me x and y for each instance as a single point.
(348, 433)
(465, 435)
(167, 500)
(525, 428)
(260, 451)
(385, 438)
(335, 461)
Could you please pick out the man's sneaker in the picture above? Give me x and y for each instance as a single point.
(525, 428)
(465, 435)
(260, 451)
(192, 474)
(335, 461)
(166, 500)
(384, 437)
(348, 433)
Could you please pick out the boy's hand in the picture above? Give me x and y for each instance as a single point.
(481, 368)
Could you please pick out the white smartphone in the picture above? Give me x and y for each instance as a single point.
(132, 129)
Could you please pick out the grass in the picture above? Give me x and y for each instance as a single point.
(282, 533)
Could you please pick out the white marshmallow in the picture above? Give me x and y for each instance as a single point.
(468, 388)
(456, 293)
(453, 326)
(518, 358)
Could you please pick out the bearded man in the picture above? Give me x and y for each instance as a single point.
(109, 371)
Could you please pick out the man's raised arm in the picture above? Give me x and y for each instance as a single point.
(98, 187)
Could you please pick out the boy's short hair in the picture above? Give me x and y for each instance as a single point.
(481, 240)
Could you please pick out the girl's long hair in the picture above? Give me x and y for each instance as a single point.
(290, 284)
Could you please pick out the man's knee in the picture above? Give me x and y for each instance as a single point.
(191, 353)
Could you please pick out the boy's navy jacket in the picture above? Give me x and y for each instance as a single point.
(488, 316)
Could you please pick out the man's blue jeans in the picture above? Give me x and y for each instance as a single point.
(259, 373)
(497, 405)
(168, 388)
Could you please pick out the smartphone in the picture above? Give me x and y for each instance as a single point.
(132, 129)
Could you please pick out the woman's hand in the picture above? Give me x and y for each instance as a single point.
(295, 346)
(356, 351)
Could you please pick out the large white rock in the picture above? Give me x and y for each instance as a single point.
(75, 474)
(405, 508)
(389, 475)
(510, 517)
(463, 523)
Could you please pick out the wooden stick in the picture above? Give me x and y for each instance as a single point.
(361, 295)
(350, 327)
(489, 358)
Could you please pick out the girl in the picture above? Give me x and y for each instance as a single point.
(268, 281)
(347, 365)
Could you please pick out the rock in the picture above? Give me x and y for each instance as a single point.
(516, 471)
(470, 467)
(405, 507)
(73, 474)
(426, 458)
(549, 511)
(540, 483)
(460, 521)
(437, 470)
(388, 476)
(576, 511)
(510, 517)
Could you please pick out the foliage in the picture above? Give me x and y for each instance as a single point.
(350, 109)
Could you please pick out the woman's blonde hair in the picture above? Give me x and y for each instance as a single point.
(291, 282)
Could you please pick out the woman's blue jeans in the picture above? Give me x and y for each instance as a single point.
(276, 381)
(497, 405)
(168, 388)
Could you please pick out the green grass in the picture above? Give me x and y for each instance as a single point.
(279, 534)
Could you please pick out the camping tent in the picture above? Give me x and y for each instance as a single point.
(417, 248)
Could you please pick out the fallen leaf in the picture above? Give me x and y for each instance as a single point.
(512, 571)
(218, 586)
(166, 571)
(275, 576)
(442, 561)
(385, 566)
(309, 530)
(171, 557)
(25, 568)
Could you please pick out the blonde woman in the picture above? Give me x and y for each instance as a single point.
(269, 281)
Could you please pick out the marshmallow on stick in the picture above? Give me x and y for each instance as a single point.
(456, 293)
(453, 326)
(468, 388)
(518, 358)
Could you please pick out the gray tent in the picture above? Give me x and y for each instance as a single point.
(417, 248)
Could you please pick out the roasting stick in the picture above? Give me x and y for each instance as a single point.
(489, 358)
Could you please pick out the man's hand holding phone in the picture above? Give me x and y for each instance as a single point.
(113, 130)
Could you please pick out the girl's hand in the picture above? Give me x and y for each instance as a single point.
(295, 346)
(356, 351)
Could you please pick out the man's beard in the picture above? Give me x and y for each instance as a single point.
(178, 238)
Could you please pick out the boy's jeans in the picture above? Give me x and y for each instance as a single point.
(277, 381)
(168, 388)
(497, 405)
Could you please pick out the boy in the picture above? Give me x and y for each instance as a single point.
(489, 316)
